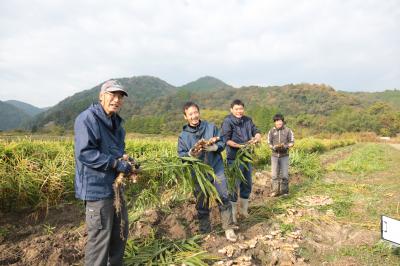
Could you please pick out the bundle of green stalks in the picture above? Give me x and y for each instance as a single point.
(164, 251)
(233, 172)
(161, 174)
(158, 175)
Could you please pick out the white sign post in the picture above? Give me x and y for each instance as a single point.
(390, 230)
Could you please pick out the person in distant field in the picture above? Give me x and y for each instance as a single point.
(194, 131)
(280, 140)
(237, 130)
(99, 143)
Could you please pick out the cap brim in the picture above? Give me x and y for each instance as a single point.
(113, 89)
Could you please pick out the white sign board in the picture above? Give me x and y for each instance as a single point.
(390, 229)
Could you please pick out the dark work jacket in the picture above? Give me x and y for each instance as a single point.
(99, 141)
(239, 130)
(190, 135)
(276, 136)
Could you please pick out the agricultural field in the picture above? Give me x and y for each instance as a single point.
(338, 190)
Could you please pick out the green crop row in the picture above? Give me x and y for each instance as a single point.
(37, 174)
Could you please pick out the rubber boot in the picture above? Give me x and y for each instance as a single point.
(244, 207)
(284, 189)
(226, 219)
(204, 225)
(234, 211)
(230, 235)
(275, 188)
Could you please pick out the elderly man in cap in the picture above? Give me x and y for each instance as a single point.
(99, 143)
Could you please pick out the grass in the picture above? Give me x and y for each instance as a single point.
(306, 164)
(286, 228)
(35, 174)
(380, 253)
(363, 186)
(48, 229)
(367, 159)
(363, 182)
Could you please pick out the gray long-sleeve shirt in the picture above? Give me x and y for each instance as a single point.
(283, 135)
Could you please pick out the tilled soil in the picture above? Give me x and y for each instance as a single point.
(57, 239)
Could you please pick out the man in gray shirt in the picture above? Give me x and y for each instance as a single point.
(280, 139)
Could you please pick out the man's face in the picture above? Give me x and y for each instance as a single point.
(111, 101)
(192, 116)
(237, 111)
(278, 123)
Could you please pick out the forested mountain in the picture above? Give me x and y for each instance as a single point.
(141, 90)
(11, 117)
(154, 106)
(206, 83)
(29, 109)
(392, 97)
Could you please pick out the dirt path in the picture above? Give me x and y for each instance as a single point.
(396, 146)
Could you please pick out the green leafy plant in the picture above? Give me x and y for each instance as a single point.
(153, 251)
(233, 172)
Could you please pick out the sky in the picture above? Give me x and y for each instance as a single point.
(51, 49)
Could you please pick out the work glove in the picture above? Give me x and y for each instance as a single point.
(254, 140)
(286, 146)
(210, 148)
(123, 167)
(134, 163)
(277, 148)
(194, 154)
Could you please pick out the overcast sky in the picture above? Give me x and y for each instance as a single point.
(52, 49)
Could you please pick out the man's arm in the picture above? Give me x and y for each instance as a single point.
(269, 139)
(183, 150)
(226, 134)
(255, 132)
(290, 138)
(221, 142)
(233, 144)
(86, 148)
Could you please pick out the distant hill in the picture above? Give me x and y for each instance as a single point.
(391, 97)
(206, 83)
(141, 90)
(26, 107)
(154, 106)
(11, 117)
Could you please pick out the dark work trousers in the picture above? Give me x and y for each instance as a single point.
(104, 244)
(243, 186)
(202, 205)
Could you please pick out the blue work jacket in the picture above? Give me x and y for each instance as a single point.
(99, 141)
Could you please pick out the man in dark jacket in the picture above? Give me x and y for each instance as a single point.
(280, 139)
(194, 131)
(99, 143)
(237, 130)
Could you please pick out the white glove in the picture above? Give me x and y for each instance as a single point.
(192, 154)
(213, 147)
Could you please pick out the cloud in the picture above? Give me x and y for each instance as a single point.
(52, 49)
